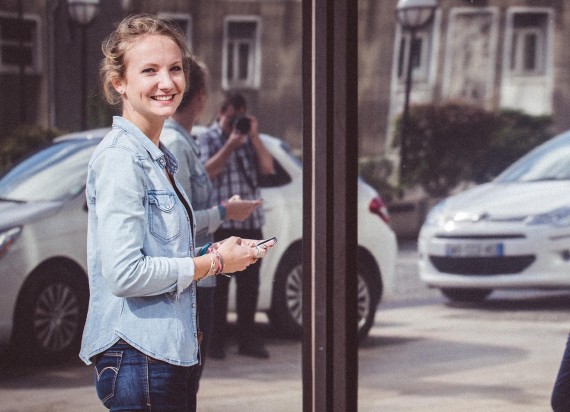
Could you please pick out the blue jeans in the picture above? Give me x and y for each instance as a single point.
(560, 400)
(128, 380)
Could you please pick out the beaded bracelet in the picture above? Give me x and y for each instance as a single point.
(221, 263)
(212, 266)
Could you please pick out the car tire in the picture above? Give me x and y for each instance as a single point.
(466, 295)
(286, 314)
(51, 315)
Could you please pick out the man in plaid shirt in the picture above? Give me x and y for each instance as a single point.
(234, 156)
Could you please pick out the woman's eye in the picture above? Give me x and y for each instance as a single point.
(176, 68)
(148, 70)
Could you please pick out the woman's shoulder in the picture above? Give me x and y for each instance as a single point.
(118, 145)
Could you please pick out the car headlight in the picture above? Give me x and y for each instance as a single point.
(557, 217)
(7, 239)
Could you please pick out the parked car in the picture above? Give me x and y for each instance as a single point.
(43, 225)
(510, 233)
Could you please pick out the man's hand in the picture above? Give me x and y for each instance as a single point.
(254, 130)
(236, 139)
(237, 209)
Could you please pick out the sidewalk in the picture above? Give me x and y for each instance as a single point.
(425, 358)
(429, 358)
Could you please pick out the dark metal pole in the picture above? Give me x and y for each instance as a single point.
(83, 77)
(406, 112)
(330, 152)
(21, 62)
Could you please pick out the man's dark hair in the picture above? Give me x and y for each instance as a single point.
(236, 100)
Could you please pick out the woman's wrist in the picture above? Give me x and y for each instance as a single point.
(220, 268)
(212, 263)
(212, 268)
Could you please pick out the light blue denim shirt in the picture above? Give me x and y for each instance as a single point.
(139, 251)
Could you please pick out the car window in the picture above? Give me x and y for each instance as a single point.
(279, 178)
(549, 161)
(54, 173)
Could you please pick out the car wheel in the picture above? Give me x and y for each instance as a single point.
(286, 315)
(51, 315)
(466, 295)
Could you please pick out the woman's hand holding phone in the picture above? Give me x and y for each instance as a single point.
(262, 246)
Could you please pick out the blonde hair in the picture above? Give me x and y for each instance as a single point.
(128, 32)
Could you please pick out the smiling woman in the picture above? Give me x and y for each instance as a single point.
(142, 258)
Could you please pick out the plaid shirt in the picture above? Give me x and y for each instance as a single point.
(238, 177)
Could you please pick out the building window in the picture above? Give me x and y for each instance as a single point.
(184, 23)
(18, 44)
(419, 56)
(241, 53)
(528, 44)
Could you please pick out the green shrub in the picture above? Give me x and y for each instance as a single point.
(376, 171)
(516, 135)
(24, 140)
(99, 112)
(452, 143)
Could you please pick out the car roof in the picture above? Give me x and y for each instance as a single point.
(87, 134)
(101, 132)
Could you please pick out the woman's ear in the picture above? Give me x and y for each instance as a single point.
(118, 85)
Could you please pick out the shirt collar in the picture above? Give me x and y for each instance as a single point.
(160, 154)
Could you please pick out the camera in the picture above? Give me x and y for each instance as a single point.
(242, 124)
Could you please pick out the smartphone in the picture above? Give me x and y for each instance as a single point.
(268, 242)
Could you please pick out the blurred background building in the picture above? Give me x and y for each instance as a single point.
(492, 53)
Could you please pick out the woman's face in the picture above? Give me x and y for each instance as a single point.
(154, 80)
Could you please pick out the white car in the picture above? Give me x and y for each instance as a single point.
(511, 233)
(43, 226)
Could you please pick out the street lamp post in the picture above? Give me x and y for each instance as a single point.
(82, 13)
(412, 15)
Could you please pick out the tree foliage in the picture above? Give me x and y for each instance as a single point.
(24, 140)
(452, 143)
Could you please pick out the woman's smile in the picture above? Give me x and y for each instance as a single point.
(164, 98)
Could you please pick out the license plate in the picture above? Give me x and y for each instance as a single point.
(474, 249)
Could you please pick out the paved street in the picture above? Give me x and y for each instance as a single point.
(422, 355)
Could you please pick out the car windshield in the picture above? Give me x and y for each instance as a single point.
(297, 157)
(54, 173)
(549, 161)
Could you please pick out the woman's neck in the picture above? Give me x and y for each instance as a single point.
(151, 127)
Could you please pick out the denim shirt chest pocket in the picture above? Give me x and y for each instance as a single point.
(165, 220)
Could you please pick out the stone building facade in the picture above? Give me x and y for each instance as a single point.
(493, 53)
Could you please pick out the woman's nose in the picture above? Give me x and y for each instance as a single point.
(165, 80)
